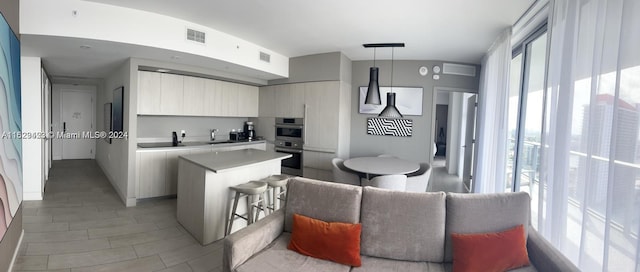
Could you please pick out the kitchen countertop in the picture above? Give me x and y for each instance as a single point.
(166, 146)
(228, 160)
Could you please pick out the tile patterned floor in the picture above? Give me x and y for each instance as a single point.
(81, 225)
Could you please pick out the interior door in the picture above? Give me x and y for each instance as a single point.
(77, 120)
(469, 142)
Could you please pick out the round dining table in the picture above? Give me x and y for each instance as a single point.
(381, 165)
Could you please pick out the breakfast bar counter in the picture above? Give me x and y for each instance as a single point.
(204, 197)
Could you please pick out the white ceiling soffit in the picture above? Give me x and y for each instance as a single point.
(85, 58)
(452, 30)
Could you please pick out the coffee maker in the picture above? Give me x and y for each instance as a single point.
(249, 132)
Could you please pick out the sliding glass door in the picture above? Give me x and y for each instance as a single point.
(525, 113)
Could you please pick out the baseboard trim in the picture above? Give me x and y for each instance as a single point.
(16, 251)
(128, 202)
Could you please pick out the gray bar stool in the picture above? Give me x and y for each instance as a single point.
(251, 190)
(278, 186)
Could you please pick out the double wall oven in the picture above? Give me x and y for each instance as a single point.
(290, 139)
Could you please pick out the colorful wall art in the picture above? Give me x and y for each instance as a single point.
(10, 127)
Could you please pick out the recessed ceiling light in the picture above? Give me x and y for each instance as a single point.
(163, 70)
(84, 46)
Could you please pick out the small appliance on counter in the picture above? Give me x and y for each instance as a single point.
(249, 131)
(237, 136)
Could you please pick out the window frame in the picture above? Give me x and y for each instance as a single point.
(517, 49)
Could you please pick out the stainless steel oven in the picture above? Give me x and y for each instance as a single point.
(289, 139)
(293, 165)
(290, 129)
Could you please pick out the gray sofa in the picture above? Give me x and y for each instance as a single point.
(401, 231)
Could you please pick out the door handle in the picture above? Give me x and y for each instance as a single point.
(64, 127)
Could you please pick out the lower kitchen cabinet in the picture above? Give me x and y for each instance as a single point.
(157, 170)
(152, 167)
(317, 165)
(172, 168)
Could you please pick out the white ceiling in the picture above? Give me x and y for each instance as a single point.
(450, 30)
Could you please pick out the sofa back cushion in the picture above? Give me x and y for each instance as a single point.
(479, 213)
(406, 226)
(322, 200)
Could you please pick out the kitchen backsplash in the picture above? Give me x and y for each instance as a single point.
(196, 128)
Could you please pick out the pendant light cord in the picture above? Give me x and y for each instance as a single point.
(374, 57)
(392, 49)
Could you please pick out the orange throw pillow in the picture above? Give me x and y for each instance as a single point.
(494, 251)
(337, 242)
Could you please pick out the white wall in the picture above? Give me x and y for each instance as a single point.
(112, 23)
(113, 158)
(32, 149)
(463, 133)
(453, 132)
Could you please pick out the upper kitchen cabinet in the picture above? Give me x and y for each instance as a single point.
(248, 101)
(148, 92)
(213, 98)
(193, 98)
(230, 95)
(322, 102)
(286, 100)
(290, 100)
(267, 101)
(169, 94)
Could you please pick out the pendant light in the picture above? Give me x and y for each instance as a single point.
(390, 111)
(373, 91)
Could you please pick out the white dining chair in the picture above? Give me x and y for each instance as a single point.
(419, 181)
(343, 175)
(391, 182)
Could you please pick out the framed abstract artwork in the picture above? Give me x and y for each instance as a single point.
(11, 125)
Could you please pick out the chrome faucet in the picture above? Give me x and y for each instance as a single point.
(213, 134)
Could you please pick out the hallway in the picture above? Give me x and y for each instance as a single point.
(82, 225)
(443, 181)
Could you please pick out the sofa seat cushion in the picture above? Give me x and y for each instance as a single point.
(277, 258)
(373, 264)
(405, 226)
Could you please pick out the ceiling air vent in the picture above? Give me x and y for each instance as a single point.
(265, 57)
(196, 36)
(458, 69)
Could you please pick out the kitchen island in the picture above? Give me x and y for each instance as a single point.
(204, 197)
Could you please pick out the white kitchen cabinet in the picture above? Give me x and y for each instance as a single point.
(230, 98)
(267, 101)
(172, 170)
(213, 98)
(148, 92)
(152, 174)
(290, 100)
(322, 101)
(248, 100)
(171, 94)
(157, 171)
(194, 96)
